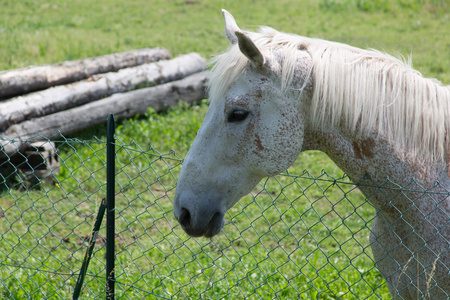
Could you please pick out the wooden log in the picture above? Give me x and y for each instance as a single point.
(122, 105)
(26, 80)
(19, 109)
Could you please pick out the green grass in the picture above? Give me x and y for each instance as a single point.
(317, 246)
(37, 32)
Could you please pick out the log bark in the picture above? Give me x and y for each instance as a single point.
(22, 81)
(122, 105)
(19, 109)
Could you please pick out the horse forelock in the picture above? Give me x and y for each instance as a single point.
(361, 90)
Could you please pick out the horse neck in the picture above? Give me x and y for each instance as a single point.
(373, 160)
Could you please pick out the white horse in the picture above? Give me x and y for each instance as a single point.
(274, 95)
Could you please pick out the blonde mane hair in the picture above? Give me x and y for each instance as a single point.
(359, 90)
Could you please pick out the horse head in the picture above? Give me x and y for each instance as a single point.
(254, 128)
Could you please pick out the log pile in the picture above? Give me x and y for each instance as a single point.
(71, 96)
(22, 81)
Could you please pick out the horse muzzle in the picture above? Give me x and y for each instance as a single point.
(199, 220)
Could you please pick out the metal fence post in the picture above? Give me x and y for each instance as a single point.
(89, 250)
(110, 214)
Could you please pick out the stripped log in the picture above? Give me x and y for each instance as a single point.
(22, 81)
(122, 105)
(19, 109)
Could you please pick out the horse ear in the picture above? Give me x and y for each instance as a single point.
(249, 49)
(246, 45)
(230, 27)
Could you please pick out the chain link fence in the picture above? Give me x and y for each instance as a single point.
(296, 235)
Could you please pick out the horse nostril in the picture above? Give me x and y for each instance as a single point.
(185, 218)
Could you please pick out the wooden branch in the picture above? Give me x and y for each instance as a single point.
(22, 81)
(64, 97)
(122, 105)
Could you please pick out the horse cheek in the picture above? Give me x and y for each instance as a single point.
(274, 148)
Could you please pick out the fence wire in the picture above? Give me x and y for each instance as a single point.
(296, 236)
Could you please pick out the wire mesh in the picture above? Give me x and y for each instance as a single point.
(46, 218)
(295, 236)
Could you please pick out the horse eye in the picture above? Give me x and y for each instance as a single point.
(237, 115)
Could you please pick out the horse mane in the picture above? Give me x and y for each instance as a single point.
(359, 90)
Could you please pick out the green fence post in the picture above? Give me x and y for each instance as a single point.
(90, 249)
(110, 212)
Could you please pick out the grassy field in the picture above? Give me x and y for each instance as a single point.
(37, 32)
(317, 246)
